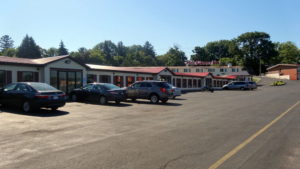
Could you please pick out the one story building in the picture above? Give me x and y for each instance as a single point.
(284, 71)
(66, 73)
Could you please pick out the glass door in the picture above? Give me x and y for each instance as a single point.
(62, 81)
(71, 81)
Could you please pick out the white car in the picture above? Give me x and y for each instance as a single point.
(177, 91)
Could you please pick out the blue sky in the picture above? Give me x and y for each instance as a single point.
(187, 23)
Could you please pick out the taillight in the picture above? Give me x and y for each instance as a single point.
(172, 90)
(62, 95)
(164, 90)
(42, 96)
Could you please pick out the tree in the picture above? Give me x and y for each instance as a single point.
(9, 52)
(149, 49)
(257, 51)
(109, 50)
(200, 54)
(28, 49)
(226, 61)
(6, 42)
(174, 57)
(62, 50)
(288, 53)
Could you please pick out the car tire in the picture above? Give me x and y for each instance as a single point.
(164, 100)
(174, 97)
(242, 88)
(54, 108)
(103, 100)
(73, 98)
(133, 99)
(154, 98)
(118, 101)
(26, 107)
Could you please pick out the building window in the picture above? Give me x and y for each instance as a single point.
(184, 84)
(105, 79)
(237, 70)
(5, 78)
(190, 83)
(199, 83)
(186, 70)
(24, 76)
(91, 78)
(194, 83)
(178, 82)
(211, 70)
(118, 81)
(225, 70)
(149, 78)
(233, 70)
(140, 78)
(199, 70)
(221, 70)
(129, 80)
(174, 70)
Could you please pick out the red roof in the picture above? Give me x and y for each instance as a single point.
(226, 77)
(151, 70)
(202, 74)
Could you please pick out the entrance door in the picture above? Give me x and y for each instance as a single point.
(71, 81)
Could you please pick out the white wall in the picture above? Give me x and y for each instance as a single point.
(62, 64)
(15, 69)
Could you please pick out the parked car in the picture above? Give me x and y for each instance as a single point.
(32, 95)
(237, 85)
(152, 90)
(98, 92)
(177, 91)
(252, 85)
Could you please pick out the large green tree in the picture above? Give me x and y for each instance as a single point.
(288, 53)
(174, 57)
(6, 42)
(62, 50)
(257, 51)
(200, 54)
(28, 48)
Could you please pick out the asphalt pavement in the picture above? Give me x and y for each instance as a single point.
(198, 130)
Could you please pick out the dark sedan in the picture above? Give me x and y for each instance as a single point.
(98, 92)
(32, 95)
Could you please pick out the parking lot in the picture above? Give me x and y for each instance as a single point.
(193, 131)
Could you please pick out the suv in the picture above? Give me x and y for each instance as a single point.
(152, 90)
(237, 85)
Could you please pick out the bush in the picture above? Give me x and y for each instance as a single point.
(278, 83)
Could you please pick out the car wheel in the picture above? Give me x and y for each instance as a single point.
(103, 100)
(54, 108)
(164, 100)
(26, 107)
(154, 98)
(118, 101)
(174, 97)
(242, 88)
(73, 98)
(133, 99)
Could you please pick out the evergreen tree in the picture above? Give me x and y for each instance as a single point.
(28, 49)
(6, 42)
(62, 50)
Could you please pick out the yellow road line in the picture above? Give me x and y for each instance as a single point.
(251, 138)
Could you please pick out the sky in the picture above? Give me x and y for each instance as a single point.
(164, 23)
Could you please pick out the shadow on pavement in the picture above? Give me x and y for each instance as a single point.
(122, 104)
(160, 103)
(37, 113)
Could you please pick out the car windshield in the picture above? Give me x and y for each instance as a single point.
(110, 86)
(42, 86)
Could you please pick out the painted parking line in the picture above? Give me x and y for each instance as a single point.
(250, 139)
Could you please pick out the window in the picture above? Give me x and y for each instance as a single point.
(129, 80)
(187, 70)
(174, 70)
(233, 70)
(10, 87)
(221, 70)
(91, 78)
(237, 69)
(5, 78)
(24, 76)
(140, 78)
(118, 81)
(53, 78)
(199, 70)
(78, 79)
(184, 84)
(23, 88)
(145, 84)
(88, 87)
(178, 82)
(149, 78)
(105, 79)
(211, 70)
